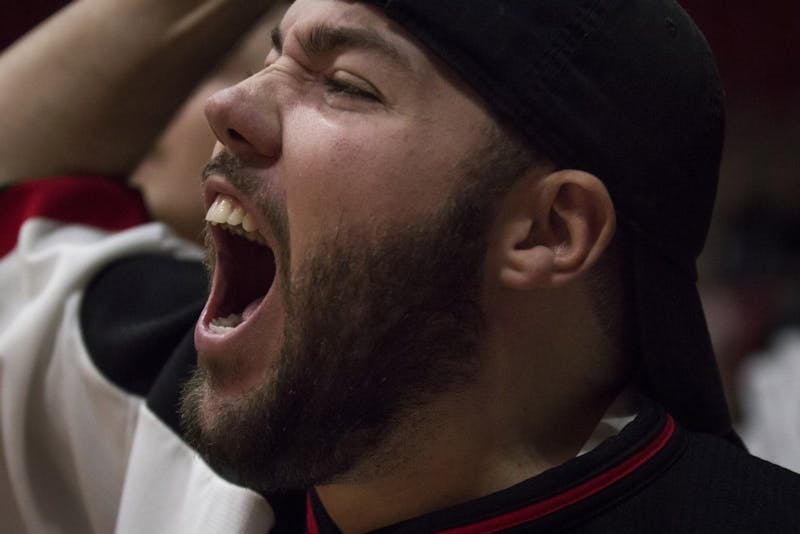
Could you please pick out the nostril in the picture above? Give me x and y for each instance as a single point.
(234, 135)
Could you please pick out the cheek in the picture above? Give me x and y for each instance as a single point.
(348, 177)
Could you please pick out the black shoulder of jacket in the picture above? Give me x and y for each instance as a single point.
(137, 316)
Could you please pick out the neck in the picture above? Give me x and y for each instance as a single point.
(471, 444)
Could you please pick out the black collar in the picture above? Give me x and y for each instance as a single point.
(569, 493)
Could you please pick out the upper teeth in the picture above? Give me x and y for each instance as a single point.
(227, 211)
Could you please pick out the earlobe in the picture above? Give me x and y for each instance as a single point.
(552, 230)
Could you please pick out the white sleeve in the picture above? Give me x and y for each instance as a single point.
(77, 453)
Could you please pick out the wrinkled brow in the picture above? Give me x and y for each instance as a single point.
(324, 39)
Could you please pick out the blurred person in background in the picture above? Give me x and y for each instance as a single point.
(144, 70)
(169, 176)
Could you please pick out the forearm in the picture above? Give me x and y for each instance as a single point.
(90, 89)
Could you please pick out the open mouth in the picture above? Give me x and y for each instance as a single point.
(244, 270)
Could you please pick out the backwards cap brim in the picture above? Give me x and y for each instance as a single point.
(679, 369)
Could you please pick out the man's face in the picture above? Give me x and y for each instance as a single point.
(350, 152)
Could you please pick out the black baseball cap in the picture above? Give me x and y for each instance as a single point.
(629, 91)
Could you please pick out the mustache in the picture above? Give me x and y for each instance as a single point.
(231, 167)
(266, 195)
(242, 177)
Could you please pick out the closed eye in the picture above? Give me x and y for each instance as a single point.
(339, 87)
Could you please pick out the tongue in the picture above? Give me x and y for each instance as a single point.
(251, 309)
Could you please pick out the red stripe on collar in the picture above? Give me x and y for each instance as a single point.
(311, 521)
(578, 493)
(558, 502)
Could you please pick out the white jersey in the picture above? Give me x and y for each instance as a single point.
(79, 450)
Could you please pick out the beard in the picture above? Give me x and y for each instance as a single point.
(376, 329)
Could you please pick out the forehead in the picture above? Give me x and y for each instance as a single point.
(321, 26)
(398, 49)
(336, 12)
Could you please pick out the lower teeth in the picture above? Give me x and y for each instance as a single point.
(220, 329)
(226, 324)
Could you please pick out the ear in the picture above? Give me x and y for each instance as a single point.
(550, 230)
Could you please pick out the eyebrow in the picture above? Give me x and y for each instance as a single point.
(324, 39)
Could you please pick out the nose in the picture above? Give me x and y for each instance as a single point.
(246, 120)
